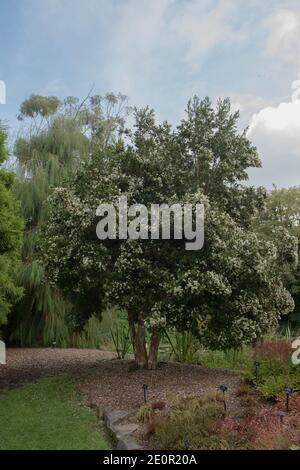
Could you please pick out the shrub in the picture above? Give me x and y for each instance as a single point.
(276, 369)
(274, 350)
(272, 386)
(193, 420)
(153, 425)
(244, 389)
(294, 403)
(201, 422)
(151, 415)
(248, 404)
(158, 405)
(145, 413)
(264, 430)
(271, 434)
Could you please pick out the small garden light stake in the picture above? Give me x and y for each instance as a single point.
(224, 389)
(288, 391)
(282, 414)
(145, 388)
(257, 366)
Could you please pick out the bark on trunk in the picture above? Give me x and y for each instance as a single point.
(138, 339)
(153, 352)
(140, 351)
(132, 328)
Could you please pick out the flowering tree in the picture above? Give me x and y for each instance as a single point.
(229, 292)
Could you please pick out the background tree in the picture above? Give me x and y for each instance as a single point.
(56, 139)
(10, 236)
(228, 293)
(283, 210)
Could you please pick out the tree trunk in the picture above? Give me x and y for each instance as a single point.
(153, 353)
(140, 351)
(132, 328)
(138, 339)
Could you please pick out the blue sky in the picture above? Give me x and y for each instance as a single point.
(161, 52)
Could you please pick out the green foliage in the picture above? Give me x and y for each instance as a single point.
(276, 368)
(146, 413)
(121, 338)
(194, 421)
(10, 237)
(220, 158)
(271, 386)
(283, 210)
(200, 424)
(47, 415)
(92, 336)
(40, 318)
(228, 359)
(38, 105)
(184, 346)
(56, 140)
(227, 294)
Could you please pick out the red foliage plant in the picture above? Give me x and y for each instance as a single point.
(158, 405)
(294, 404)
(265, 430)
(273, 349)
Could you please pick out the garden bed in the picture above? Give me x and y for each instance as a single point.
(115, 390)
(107, 381)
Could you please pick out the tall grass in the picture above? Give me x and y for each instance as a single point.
(231, 359)
(184, 347)
(97, 333)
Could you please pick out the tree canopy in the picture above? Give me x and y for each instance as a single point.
(10, 236)
(228, 293)
(56, 137)
(282, 209)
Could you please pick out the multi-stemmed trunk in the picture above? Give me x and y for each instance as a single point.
(142, 358)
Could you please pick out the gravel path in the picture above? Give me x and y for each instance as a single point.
(106, 381)
(28, 364)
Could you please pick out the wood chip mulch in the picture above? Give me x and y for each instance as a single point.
(107, 381)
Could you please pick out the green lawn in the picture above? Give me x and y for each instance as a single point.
(47, 415)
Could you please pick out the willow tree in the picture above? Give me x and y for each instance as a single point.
(10, 236)
(228, 293)
(56, 138)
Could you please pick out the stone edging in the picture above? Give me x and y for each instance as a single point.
(118, 426)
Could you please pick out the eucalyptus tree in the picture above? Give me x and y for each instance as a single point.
(228, 293)
(10, 236)
(56, 137)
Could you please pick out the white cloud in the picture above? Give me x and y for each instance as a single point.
(282, 40)
(283, 27)
(247, 104)
(275, 130)
(201, 27)
(156, 39)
